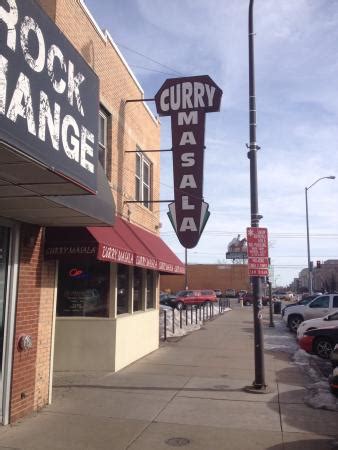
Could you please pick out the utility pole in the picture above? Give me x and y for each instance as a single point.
(259, 385)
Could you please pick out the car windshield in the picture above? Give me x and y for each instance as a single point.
(184, 293)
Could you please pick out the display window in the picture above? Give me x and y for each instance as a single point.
(150, 289)
(138, 289)
(122, 289)
(83, 289)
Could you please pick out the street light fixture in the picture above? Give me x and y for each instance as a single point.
(309, 265)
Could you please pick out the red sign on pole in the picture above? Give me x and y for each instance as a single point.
(258, 254)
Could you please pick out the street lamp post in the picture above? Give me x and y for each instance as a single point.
(309, 265)
(258, 385)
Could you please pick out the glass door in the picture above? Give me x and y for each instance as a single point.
(4, 251)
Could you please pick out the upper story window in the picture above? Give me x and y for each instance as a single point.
(143, 180)
(103, 138)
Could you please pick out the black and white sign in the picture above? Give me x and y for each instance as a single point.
(48, 94)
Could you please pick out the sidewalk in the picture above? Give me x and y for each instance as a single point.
(186, 394)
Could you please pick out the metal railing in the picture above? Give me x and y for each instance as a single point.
(174, 320)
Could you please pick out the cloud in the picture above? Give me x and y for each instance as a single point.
(296, 48)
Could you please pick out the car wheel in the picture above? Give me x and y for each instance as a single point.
(323, 347)
(247, 303)
(294, 321)
(179, 306)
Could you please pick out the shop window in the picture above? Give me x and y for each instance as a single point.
(143, 180)
(138, 289)
(122, 289)
(103, 138)
(150, 289)
(83, 289)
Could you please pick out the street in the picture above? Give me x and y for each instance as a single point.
(189, 393)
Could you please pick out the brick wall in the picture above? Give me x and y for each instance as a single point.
(45, 329)
(131, 124)
(209, 276)
(30, 375)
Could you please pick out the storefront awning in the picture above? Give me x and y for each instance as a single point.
(124, 243)
(32, 193)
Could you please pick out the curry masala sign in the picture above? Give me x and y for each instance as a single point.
(186, 101)
(48, 94)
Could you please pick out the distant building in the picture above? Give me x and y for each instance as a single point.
(237, 249)
(209, 276)
(325, 277)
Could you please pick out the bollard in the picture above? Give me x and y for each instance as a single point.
(200, 309)
(203, 313)
(180, 318)
(191, 315)
(186, 316)
(165, 326)
(196, 314)
(241, 302)
(173, 320)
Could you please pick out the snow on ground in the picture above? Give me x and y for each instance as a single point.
(191, 325)
(318, 394)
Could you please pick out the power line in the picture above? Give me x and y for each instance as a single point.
(147, 57)
(151, 70)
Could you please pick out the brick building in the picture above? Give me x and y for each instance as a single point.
(79, 265)
(209, 276)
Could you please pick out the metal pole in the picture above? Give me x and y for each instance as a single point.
(165, 326)
(271, 324)
(259, 384)
(186, 268)
(308, 245)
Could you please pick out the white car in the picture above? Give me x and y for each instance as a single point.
(318, 307)
(329, 321)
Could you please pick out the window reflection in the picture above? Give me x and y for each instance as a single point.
(138, 288)
(122, 289)
(150, 289)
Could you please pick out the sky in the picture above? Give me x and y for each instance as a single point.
(296, 71)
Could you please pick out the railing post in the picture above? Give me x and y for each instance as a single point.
(186, 316)
(180, 318)
(173, 320)
(165, 325)
(191, 320)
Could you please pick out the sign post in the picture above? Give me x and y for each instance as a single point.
(259, 385)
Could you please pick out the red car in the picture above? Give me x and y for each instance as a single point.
(320, 341)
(248, 299)
(195, 297)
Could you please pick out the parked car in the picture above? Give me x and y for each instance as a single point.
(303, 301)
(333, 379)
(194, 297)
(167, 299)
(241, 293)
(329, 321)
(230, 293)
(248, 299)
(334, 357)
(283, 295)
(320, 341)
(218, 293)
(306, 294)
(319, 307)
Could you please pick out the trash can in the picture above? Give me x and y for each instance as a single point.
(277, 307)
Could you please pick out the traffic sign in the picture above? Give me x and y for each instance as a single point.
(258, 254)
